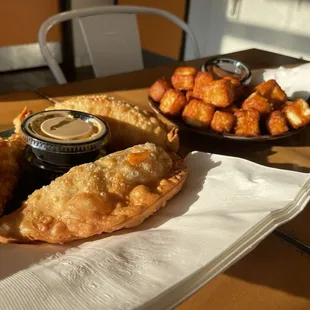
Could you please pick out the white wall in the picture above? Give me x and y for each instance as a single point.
(281, 26)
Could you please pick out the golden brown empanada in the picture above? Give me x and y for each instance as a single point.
(11, 150)
(129, 124)
(117, 191)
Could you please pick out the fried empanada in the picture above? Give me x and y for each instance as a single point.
(129, 124)
(11, 150)
(10, 154)
(117, 191)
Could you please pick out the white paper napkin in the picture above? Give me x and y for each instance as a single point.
(294, 81)
(223, 198)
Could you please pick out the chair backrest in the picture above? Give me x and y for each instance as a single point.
(95, 56)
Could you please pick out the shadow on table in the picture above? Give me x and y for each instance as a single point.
(259, 152)
(277, 265)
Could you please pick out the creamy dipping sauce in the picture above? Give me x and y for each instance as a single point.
(63, 127)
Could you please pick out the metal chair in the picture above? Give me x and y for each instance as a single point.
(94, 11)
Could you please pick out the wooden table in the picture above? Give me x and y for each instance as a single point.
(276, 274)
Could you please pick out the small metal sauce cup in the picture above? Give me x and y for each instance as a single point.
(221, 67)
(60, 139)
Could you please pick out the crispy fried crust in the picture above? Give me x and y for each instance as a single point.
(173, 102)
(118, 191)
(276, 123)
(11, 150)
(258, 102)
(189, 95)
(237, 86)
(273, 92)
(297, 113)
(230, 109)
(158, 89)
(247, 123)
(198, 114)
(173, 139)
(183, 78)
(223, 121)
(234, 81)
(129, 124)
(202, 79)
(19, 118)
(220, 93)
(10, 154)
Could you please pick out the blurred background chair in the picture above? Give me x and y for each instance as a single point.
(109, 52)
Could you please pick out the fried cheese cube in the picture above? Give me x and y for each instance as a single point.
(223, 121)
(230, 109)
(183, 78)
(189, 95)
(247, 123)
(237, 86)
(172, 102)
(258, 102)
(297, 113)
(198, 114)
(234, 81)
(158, 89)
(287, 102)
(201, 80)
(273, 92)
(276, 123)
(220, 93)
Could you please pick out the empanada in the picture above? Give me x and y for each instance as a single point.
(117, 191)
(11, 150)
(129, 124)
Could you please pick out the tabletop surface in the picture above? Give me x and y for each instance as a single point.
(276, 273)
